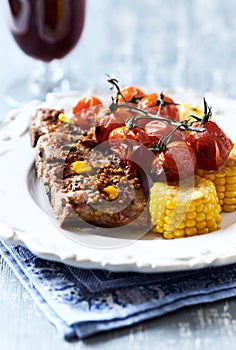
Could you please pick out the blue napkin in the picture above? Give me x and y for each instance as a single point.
(81, 302)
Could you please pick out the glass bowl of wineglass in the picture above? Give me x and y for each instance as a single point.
(47, 31)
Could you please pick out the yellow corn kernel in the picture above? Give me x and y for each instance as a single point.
(111, 192)
(224, 180)
(167, 219)
(220, 189)
(179, 233)
(168, 235)
(199, 208)
(200, 225)
(181, 225)
(220, 194)
(210, 176)
(203, 231)
(191, 231)
(230, 187)
(190, 223)
(210, 222)
(230, 194)
(230, 201)
(81, 167)
(168, 227)
(200, 217)
(228, 208)
(219, 181)
(170, 204)
(231, 179)
(177, 216)
(220, 175)
(191, 215)
(62, 118)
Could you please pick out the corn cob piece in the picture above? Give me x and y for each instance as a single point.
(184, 211)
(224, 180)
(185, 110)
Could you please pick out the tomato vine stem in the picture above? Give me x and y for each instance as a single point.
(140, 114)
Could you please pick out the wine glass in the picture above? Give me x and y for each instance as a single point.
(46, 30)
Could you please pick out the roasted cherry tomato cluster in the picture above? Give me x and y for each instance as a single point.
(146, 128)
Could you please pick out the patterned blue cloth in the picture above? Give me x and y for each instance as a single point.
(82, 302)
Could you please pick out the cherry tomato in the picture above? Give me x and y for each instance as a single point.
(85, 111)
(158, 130)
(177, 162)
(149, 135)
(136, 134)
(131, 145)
(85, 103)
(106, 122)
(106, 126)
(131, 94)
(211, 146)
(151, 103)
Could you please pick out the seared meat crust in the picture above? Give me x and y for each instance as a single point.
(81, 198)
(46, 121)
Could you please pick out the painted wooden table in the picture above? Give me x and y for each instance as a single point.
(23, 326)
(184, 43)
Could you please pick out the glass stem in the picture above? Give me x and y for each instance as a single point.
(47, 77)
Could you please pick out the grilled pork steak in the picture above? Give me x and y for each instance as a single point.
(46, 121)
(89, 185)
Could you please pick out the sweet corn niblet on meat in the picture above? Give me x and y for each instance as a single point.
(224, 180)
(184, 211)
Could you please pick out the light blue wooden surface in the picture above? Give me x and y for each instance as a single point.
(24, 327)
(189, 43)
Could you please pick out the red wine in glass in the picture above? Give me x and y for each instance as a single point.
(46, 30)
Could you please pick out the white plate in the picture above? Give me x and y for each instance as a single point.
(25, 216)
